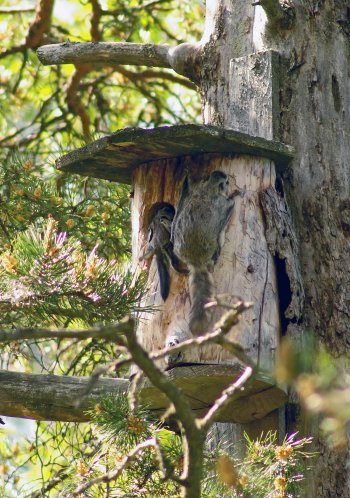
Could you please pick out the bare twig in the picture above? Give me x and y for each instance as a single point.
(111, 333)
(149, 74)
(194, 438)
(217, 337)
(221, 402)
(16, 10)
(112, 476)
(59, 477)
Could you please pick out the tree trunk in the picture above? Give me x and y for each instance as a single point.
(245, 268)
(314, 118)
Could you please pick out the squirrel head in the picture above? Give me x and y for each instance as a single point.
(219, 180)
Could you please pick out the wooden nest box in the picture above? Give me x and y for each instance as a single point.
(155, 162)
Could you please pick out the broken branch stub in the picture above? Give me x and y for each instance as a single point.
(183, 58)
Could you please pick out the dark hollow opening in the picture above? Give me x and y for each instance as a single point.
(284, 291)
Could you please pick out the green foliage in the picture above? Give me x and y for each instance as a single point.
(112, 98)
(326, 394)
(116, 423)
(13, 463)
(117, 431)
(96, 212)
(48, 277)
(74, 273)
(267, 470)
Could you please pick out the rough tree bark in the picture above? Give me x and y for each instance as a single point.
(314, 118)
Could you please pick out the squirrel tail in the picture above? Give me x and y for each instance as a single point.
(201, 292)
(164, 274)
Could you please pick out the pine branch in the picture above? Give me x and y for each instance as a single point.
(112, 476)
(47, 275)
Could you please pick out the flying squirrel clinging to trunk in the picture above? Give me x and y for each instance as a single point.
(160, 246)
(197, 234)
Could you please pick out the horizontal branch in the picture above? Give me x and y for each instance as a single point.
(111, 333)
(53, 397)
(137, 54)
(217, 337)
(16, 10)
(183, 58)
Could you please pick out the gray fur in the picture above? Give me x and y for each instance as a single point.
(197, 234)
(160, 246)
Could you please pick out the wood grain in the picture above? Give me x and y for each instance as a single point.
(245, 267)
(53, 397)
(202, 384)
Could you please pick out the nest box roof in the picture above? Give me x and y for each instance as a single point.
(202, 384)
(113, 157)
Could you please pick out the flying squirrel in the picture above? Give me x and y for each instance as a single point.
(198, 234)
(160, 246)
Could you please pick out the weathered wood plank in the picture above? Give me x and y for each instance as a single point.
(115, 156)
(254, 94)
(202, 384)
(53, 397)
